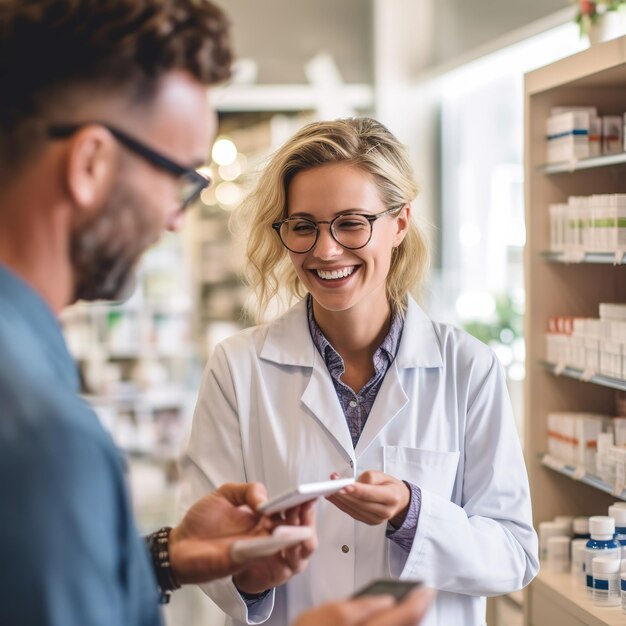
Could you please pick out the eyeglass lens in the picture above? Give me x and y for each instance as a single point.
(190, 189)
(351, 231)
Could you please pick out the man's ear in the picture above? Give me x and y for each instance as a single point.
(403, 220)
(91, 167)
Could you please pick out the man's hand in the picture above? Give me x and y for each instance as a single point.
(277, 569)
(371, 611)
(199, 546)
(375, 498)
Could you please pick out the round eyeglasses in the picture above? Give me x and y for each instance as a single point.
(350, 230)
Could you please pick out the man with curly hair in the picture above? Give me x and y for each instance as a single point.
(104, 127)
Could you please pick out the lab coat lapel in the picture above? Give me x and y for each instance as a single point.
(289, 343)
(321, 399)
(391, 399)
(419, 348)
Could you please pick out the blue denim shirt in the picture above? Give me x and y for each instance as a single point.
(71, 553)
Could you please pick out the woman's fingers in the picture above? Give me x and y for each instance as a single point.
(385, 496)
(359, 512)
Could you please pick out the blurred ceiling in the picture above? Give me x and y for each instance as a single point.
(461, 25)
(282, 36)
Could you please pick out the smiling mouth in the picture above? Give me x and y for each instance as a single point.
(335, 274)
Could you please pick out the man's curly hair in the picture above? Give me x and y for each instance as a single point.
(49, 48)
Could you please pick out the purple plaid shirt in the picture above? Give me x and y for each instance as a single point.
(357, 406)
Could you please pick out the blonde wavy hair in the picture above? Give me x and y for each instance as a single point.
(362, 142)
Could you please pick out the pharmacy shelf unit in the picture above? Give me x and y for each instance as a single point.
(596, 76)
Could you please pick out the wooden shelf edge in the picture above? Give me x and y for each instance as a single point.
(596, 379)
(598, 258)
(583, 164)
(573, 598)
(581, 475)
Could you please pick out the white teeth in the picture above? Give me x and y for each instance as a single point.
(342, 273)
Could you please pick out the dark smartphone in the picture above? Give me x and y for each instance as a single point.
(390, 586)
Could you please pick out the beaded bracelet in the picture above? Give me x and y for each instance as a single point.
(158, 544)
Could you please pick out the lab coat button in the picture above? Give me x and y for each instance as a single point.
(351, 463)
(345, 549)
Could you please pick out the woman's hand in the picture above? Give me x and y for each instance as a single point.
(375, 498)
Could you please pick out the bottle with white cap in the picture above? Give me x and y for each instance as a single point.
(619, 515)
(567, 521)
(547, 530)
(580, 527)
(606, 581)
(559, 553)
(602, 529)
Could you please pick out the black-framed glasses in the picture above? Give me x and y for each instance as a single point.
(192, 182)
(350, 230)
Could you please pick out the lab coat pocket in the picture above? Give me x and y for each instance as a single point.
(428, 469)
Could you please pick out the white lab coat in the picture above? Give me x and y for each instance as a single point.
(268, 412)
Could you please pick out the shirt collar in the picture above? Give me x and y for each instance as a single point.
(319, 339)
(389, 344)
(288, 339)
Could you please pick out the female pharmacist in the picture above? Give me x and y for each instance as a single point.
(356, 380)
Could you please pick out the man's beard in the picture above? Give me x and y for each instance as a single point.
(106, 250)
